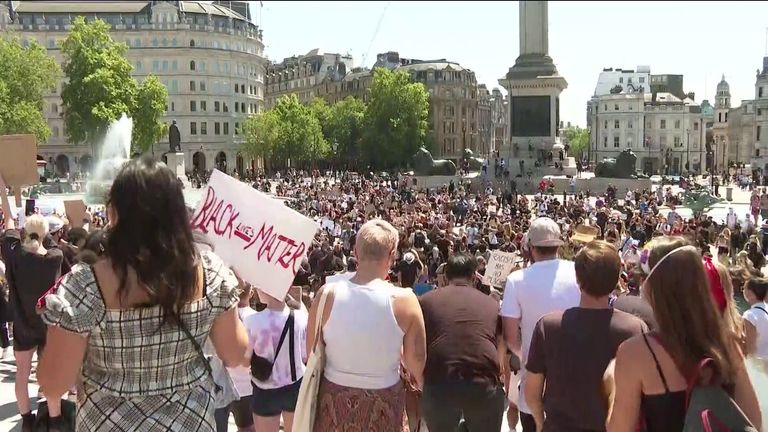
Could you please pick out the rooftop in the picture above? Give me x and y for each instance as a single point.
(84, 7)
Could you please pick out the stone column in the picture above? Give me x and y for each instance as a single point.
(534, 28)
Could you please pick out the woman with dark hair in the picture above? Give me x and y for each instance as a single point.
(131, 327)
(652, 370)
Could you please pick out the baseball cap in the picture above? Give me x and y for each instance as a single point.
(54, 224)
(408, 257)
(544, 232)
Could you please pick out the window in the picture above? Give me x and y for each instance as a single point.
(139, 66)
(678, 142)
(605, 107)
(677, 124)
(155, 65)
(726, 117)
(663, 124)
(217, 128)
(237, 107)
(663, 141)
(616, 142)
(203, 128)
(136, 43)
(174, 65)
(629, 142)
(203, 106)
(191, 43)
(51, 44)
(616, 107)
(216, 106)
(629, 124)
(621, 80)
(173, 106)
(629, 80)
(759, 92)
(237, 128)
(719, 117)
(193, 106)
(242, 107)
(649, 125)
(165, 65)
(155, 42)
(695, 126)
(202, 85)
(615, 124)
(193, 128)
(642, 80)
(242, 88)
(191, 65)
(758, 133)
(56, 131)
(191, 86)
(759, 112)
(605, 142)
(605, 124)
(237, 88)
(226, 108)
(226, 128)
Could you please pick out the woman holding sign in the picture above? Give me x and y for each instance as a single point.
(131, 326)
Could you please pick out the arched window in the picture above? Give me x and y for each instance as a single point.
(54, 108)
(192, 65)
(192, 43)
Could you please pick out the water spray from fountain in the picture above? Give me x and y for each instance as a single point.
(115, 151)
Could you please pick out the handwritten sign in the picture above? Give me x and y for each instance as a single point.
(259, 236)
(499, 267)
(19, 162)
(76, 213)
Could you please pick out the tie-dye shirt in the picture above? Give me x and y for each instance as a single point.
(264, 329)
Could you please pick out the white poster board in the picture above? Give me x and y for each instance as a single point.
(261, 238)
(499, 267)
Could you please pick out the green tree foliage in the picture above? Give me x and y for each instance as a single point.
(578, 140)
(290, 131)
(26, 75)
(396, 120)
(344, 127)
(100, 88)
(148, 129)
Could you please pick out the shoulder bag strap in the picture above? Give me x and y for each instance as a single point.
(288, 325)
(199, 350)
(291, 348)
(762, 309)
(320, 312)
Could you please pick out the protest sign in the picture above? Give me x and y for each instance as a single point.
(499, 267)
(18, 165)
(259, 236)
(75, 211)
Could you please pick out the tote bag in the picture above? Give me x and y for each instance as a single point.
(306, 404)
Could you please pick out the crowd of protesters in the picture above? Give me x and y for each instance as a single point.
(614, 300)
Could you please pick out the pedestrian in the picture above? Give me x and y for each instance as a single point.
(131, 327)
(462, 373)
(368, 326)
(570, 350)
(756, 320)
(548, 285)
(30, 270)
(653, 371)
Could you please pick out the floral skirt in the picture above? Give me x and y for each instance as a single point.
(347, 409)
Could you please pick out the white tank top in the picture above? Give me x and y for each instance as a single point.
(363, 340)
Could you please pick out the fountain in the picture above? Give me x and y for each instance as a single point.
(115, 151)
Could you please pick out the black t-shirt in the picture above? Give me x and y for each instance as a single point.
(572, 349)
(29, 276)
(408, 272)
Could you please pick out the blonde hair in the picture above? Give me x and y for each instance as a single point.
(36, 227)
(731, 316)
(376, 240)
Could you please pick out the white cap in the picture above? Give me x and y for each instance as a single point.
(544, 232)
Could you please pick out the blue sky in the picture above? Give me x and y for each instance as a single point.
(701, 40)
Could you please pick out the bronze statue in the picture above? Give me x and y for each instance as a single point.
(621, 167)
(475, 164)
(424, 165)
(174, 138)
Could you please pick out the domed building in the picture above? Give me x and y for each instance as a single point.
(720, 127)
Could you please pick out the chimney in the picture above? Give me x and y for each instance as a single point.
(691, 96)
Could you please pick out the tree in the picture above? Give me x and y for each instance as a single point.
(396, 119)
(578, 140)
(148, 108)
(26, 75)
(261, 133)
(100, 87)
(344, 126)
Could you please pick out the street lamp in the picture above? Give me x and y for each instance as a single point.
(688, 150)
(335, 146)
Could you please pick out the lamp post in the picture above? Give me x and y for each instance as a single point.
(335, 146)
(688, 151)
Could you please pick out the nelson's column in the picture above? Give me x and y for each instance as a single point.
(534, 88)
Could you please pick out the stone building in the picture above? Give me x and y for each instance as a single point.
(303, 75)
(209, 57)
(674, 135)
(617, 124)
(760, 150)
(499, 120)
(720, 127)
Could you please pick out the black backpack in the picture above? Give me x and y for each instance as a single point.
(711, 408)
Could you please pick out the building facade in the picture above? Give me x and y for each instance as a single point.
(720, 127)
(629, 79)
(617, 124)
(674, 135)
(760, 150)
(209, 57)
(304, 75)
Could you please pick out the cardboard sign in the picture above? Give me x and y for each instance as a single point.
(259, 236)
(76, 212)
(18, 165)
(499, 267)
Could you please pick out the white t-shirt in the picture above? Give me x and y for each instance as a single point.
(241, 375)
(759, 319)
(264, 329)
(544, 287)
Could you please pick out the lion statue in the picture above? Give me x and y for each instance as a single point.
(475, 164)
(621, 167)
(424, 165)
